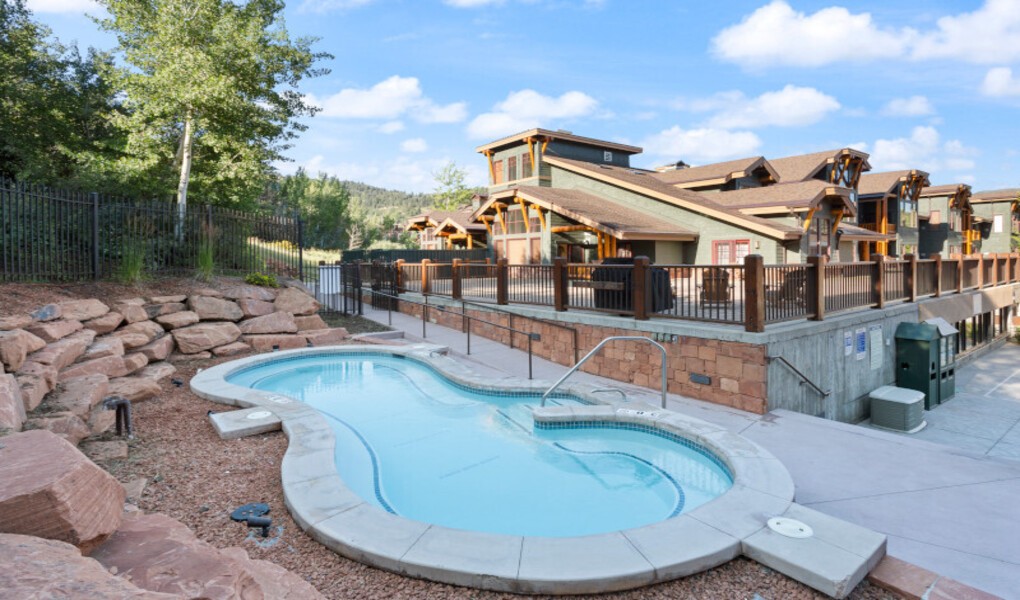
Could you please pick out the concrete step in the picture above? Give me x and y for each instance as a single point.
(833, 559)
(243, 423)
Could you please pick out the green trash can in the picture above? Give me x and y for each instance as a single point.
(917, 360)
(947, 358)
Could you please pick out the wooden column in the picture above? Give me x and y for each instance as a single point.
(959, 273)
(910, 275)
(877, 284)
(398, 275)
(425, 276)
(938, 275)
(560, 283)
(502, 281)
(754, 293)
(640, 288)
(815, 288)
(455, 283)
(981, 271)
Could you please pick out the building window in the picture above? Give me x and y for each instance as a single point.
(497, 172)
(821, 236)
(607, 156)
(935, 218)
(997, 224)
(730, 252)
(525, 166)
(908, 213)
(955, 220)
(511, 168)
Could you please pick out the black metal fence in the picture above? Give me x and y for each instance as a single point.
(59, 235)
(416, 255)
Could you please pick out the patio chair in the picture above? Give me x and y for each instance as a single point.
(715, 288)
(791, 292)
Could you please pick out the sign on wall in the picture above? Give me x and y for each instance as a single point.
(861, 343)
(877, 347)
(848, 343)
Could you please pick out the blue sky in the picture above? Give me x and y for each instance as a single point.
(931, 84)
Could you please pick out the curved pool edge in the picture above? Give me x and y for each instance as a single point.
(331, 513)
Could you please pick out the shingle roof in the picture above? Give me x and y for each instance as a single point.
(612, 217)
(804, 166)
(722, 170)
(853, 232)
(949, 189)
(883, 183)
(1003, 195)
(646, 183)
(557, 135)
(800, 194)
(462, 217)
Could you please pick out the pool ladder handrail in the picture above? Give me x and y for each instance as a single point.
(594, 351)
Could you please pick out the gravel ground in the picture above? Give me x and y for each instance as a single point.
(197, 478)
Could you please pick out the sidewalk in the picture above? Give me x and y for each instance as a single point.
(947, 509)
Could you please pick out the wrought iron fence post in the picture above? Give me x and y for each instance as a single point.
(300, 245)
(95, 235)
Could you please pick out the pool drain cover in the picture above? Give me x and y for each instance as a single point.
(248, 511)
(259, 414)
(790, 527)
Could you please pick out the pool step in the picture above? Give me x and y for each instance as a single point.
(833, 560)
(235, 424)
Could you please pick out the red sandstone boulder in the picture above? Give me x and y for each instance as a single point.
(78, 396)
(51, 490)
(281, 341)
(178, 319)
(43, 371)
(51, 331)
(158, 372)
(180, 357)
(214, 309)
(63, 424)
(167, 299)
(66, 351)
(101, 420)
(32, 567)
(83, 310)
(310, 323)
(111, 366)
(325, 337)
(105, 346)
(277, 322)
(252, 292)
(134, 389)
(158, 349)
(10, 322)
(105, 323)
(150, 329)
(206, 292)
(34, 388)
(231, 349)
(12, 406)
(134, 361)
(205, 336)
(296, 302)
(16, 345)
(169, 308)
(276, 582)
(255, 308)
(131, 312)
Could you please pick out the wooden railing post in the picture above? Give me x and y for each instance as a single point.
(640, 281)
(754, 293)
(938, 275)
(560, 283)
(910, 275)
(425, 276)
(981, 271)
(878, 283)
(815, 287)
(959, 273)
(502, 281)
(398, 275)
(455, 289)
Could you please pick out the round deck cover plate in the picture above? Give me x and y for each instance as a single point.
(259, 414)
(790, 527)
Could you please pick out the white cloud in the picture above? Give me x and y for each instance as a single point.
(391, 127)
(776, 34)
(1000, 82)
(791, 106)
(925, 150)
(321, 6)
(528, 108)
(701, 145)
(914, 106)
(62, 6)
(414, 145)
(389, 99)
(987, 35)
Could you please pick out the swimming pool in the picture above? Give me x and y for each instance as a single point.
(415, 444)
(341, 511)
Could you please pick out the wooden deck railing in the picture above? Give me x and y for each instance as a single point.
(752, 294)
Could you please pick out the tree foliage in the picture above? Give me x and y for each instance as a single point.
(451, 192)
(210, 93)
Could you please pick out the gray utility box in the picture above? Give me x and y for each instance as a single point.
(897, 408)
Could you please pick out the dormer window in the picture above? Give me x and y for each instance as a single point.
(607, 156)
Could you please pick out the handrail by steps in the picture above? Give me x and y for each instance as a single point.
(803, 377)
(599, 347)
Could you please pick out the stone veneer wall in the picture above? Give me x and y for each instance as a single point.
(737, 369)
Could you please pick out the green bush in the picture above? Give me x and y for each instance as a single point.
(131, 269)
(206, 267)
(262, 280)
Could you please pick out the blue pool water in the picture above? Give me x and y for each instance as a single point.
(419, 446)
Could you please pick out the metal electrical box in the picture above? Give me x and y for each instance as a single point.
(926, 360)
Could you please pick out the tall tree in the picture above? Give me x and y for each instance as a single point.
(210, 88)
(451, 192)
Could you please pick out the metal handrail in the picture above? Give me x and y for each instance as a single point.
(599, 347)
(513, 314)
(804, 378)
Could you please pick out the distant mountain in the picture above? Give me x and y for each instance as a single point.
(393, 202)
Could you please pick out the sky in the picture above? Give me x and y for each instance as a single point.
(925, 84)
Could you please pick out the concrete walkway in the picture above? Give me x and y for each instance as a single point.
(951, 510)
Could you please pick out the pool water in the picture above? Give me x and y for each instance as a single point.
(417, 445)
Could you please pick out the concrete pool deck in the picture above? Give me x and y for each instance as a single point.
(946, 508)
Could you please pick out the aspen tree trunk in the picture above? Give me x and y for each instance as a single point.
(184, 154)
